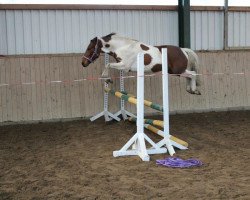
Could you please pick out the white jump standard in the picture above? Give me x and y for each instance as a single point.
(136, 145)
(108, 116)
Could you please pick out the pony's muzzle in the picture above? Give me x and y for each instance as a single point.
(84, 64)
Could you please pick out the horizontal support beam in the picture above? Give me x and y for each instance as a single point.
(229, 49)
(115, 7)
(84, 7)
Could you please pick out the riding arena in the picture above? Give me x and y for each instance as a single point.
(124, 101)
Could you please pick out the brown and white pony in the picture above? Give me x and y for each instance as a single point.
(181, 61)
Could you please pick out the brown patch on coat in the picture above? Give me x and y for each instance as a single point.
(114, 55)
(156, 68)
(107, 38)
(147, 59)
(177, 61)
(144, 47)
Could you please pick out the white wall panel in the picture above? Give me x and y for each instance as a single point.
(51, 31)
(35, 32)
(3, 34)
(10, 32)
(68, 35)
(19, 31)
(44, 37)
(59, 32)
(27, 26)
(69, 31)
(206, 30)
(239, 29)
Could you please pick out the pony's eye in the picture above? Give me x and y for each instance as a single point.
(107, 45)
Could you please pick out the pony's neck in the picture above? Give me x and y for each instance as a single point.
(119, 41)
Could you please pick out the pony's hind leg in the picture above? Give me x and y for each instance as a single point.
(188, 84)
(191, 84)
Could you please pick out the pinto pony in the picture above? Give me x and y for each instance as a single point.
(181, 61)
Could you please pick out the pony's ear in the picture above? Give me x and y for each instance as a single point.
(94, 39)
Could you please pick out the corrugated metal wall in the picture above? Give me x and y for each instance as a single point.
(239, 29)
(3, 33)
(206, 30)
(69, 31)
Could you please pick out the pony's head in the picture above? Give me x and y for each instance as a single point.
(95, 48)
(92, 52)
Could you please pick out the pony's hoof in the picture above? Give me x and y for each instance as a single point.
(196, 92)
(109, 81)
(104, 76)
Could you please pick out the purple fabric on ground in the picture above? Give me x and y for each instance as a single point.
(179, 163)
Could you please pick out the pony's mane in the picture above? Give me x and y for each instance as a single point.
(116, 35)
(108, 37)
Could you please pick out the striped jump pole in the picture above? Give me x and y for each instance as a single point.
(176, 142)
(131, 99)
(149, 121)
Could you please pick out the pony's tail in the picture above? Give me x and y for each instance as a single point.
(193, 61)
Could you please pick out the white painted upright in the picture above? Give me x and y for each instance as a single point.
(123, 111)
(140, 108)
(166, 101)
(108, 116)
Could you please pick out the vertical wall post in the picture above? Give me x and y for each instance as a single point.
(184, 23)
(225, 24)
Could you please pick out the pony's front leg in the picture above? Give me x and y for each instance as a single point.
(105, 73)
(119, 66)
